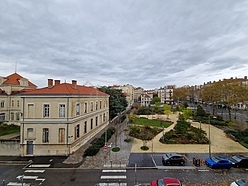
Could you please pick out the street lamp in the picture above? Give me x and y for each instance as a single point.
(209, 146)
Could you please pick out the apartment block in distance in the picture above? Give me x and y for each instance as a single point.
(60, 118)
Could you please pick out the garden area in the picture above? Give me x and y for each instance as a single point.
(8, 129)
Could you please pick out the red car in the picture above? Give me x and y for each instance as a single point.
(166, 182)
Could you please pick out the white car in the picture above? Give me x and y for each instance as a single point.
(239, 182)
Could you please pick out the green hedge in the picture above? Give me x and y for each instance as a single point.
(99, 143)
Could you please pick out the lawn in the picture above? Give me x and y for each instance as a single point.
(8, 129)
(153, 122)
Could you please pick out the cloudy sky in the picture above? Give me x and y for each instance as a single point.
(140, 42)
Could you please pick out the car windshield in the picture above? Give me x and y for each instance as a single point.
(169, 155)
(240, 182)
(161, 182)
(215, 159)
(236, 158)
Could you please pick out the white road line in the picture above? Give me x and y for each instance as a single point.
(113, 177)
(114, 170)
(26, 177)
(39, 165)
(40, 179)
(112, 184)
(202, 170)
(18, 184)
(35, 171)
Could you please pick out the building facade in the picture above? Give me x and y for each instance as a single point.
(60, 118)
(10, 101)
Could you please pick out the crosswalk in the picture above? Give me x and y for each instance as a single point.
(31, 175)
(113, 177)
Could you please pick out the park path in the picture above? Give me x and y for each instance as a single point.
(220, 143)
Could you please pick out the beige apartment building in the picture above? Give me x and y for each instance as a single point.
(60, 118)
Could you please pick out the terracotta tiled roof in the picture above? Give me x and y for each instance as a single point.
(65, 89)
(13, 80)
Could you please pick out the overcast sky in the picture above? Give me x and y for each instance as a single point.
(147, 43)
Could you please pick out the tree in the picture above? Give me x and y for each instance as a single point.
(117, 101)
(181, 94)
(167, 110)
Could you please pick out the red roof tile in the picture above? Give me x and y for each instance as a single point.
(13, 80)
(65, 89)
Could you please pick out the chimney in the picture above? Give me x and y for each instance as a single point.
(50, 83)
(74, 84)
(57, 82)
(245, 77)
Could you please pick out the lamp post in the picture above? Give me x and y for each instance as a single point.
(209, 143)
(209, 146)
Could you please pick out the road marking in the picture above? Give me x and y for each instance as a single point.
(40, 179)
(35, 171)
(112, 184)
(20, 177)
(202, 170)
(18, 184)
(39, 165)
(114, 170)
(113, 177)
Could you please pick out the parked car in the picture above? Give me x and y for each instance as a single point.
(239, 161)
(167, 181)
(239, 182)
(173, 159)
(218, 162)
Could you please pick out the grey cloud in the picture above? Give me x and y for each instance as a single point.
(136, 42)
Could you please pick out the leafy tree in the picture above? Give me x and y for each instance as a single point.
(181, 94)
(155, 100)
(167, 110)
(200, 111)
(117, 101)
(144, 111)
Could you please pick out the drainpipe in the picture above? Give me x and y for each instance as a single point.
(23, 111)
(67, 126)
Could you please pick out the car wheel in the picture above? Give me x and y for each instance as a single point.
(182, 163)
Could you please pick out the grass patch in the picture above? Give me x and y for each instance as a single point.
(8, 129)
(153, 122)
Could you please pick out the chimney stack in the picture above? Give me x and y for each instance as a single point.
(74, 84)
(50, 83)
(57, 82)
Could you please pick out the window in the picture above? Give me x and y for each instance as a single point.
(30, 132)
(46, 110)
(85, 107)
(45, 135)
(100, 104)
(77, 129)
(17, 116)
(91, 124)
(11, 116)
(91, 106)
(62, 110)
(61, 135)
(78, 109)
(104, 117)
(2, 104)
(12, 103)
(2, 116)
(96, 105)
(85, 127)
(96, 121)
(18, 103)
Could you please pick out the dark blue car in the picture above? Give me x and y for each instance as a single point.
(218, 162)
